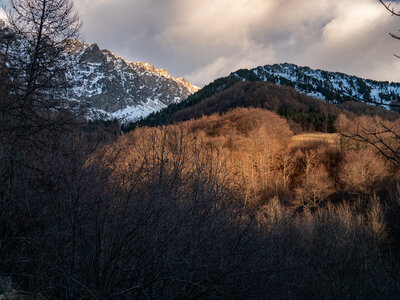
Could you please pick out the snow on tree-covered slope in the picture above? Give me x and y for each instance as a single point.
(112, 87)
(330, 86)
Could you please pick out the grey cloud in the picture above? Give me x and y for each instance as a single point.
(202, 40)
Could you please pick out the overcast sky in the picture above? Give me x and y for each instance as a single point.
(206, 39)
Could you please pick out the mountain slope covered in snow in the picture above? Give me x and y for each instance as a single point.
(109, 86)
(330, 86)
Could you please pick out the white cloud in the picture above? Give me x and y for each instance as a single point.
(206, 39)
(2, 14)
(223, 65)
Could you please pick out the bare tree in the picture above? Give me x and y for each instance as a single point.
(381, 135)
(389, 7)
(32, 45)
(42, 30)
(393, 11)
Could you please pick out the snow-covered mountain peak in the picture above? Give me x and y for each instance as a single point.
(334, 87)
(110, 86)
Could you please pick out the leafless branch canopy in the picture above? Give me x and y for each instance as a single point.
(390, 8)
(32, 50)
(386, 140)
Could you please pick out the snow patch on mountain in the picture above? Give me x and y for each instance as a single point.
(110, 86)
(330, 86)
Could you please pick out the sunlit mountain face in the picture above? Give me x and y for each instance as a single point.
(111, 87)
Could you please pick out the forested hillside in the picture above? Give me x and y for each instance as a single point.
(305, 113)
(334, 88)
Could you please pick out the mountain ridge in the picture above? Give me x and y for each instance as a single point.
(335, 87)
(111, 87)
(332, 87)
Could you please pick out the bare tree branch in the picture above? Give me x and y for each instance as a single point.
(390, 8)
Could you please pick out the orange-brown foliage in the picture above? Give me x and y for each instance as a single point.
(164, 209)
(362, 171)
(253, 146)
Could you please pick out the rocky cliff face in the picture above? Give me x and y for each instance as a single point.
(112, 87)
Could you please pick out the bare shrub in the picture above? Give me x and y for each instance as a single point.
(325, 254)
(362, 171)
(315, 188)
(376, 219)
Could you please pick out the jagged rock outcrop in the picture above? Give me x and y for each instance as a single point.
(112, 87)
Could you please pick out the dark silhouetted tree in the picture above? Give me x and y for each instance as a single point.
(41, 32)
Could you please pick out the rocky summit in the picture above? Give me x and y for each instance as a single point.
(110, 87)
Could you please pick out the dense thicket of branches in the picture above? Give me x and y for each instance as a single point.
(224, 206)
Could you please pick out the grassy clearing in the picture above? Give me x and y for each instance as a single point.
(330, 138)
